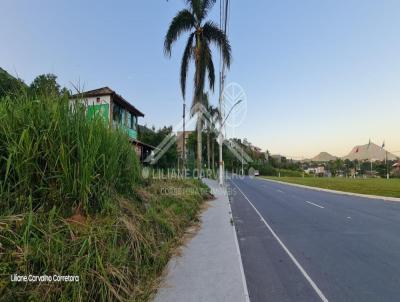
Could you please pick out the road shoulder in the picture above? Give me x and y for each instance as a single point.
(209, 267)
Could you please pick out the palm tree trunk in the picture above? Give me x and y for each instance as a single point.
(212, 154)
(208, 149)
(199, 155)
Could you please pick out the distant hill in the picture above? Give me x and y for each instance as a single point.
(9, 84)
(323, 157)
(369, 152)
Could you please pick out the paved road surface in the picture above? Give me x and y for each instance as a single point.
(299, 244)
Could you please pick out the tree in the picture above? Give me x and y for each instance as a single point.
(202, 35)
(154, 137)
(45, 84)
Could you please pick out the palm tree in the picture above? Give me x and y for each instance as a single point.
(202, 35)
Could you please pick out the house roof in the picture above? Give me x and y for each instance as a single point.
(140, 143)
(115, 97)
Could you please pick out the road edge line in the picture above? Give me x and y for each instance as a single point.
(297, 264)
(386, 198)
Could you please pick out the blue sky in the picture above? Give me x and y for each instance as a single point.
(318, 75)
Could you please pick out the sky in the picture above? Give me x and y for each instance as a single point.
(317, 75)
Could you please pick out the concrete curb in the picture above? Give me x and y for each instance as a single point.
(246, 292)
(386, 198)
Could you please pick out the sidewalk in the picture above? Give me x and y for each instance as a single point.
(209, 268)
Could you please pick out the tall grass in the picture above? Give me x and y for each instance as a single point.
(51, 157)
(55, 164)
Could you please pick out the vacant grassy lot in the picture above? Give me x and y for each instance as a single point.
(72, 203)
(382, 187)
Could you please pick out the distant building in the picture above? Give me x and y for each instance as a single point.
(396, 169)
(116, 111)
(319, 171)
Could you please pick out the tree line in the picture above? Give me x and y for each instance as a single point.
(42, 85)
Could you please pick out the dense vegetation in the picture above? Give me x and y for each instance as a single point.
(154, 137)
(72, 203)
(9, 84)
(44, 84)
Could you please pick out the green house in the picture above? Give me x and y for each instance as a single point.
(106, 103)
(116, 111)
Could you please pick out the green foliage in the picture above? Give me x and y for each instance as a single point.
(269, 170)
(10, 85)
(202, 35)
(56, 158)
(117, 256)
(42, 85)
(155, 137)
(46, 85)
(72, 203)
(198, 49)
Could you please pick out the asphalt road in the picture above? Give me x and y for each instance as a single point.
(299, 244)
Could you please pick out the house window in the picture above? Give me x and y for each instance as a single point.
(130, 120)
(124, 117)
(117, 113)
(133, 122)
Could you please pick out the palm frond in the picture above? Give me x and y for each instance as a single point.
(187, 55)
(206, 5)
(215, 35)
(196, 7)
(209, 65)
(183, 21)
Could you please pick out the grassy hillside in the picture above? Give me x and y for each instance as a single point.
(9, 84)
(72, 203)
(376, 186)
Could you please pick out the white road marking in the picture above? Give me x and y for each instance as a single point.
(308, 278)
(280, 191)
(314, 204)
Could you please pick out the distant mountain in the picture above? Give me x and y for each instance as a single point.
(369, 152)
(9, 84)
(323, 157)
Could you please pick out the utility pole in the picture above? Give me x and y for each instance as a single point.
(224, 4)
(242, 161)
(387, 165)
